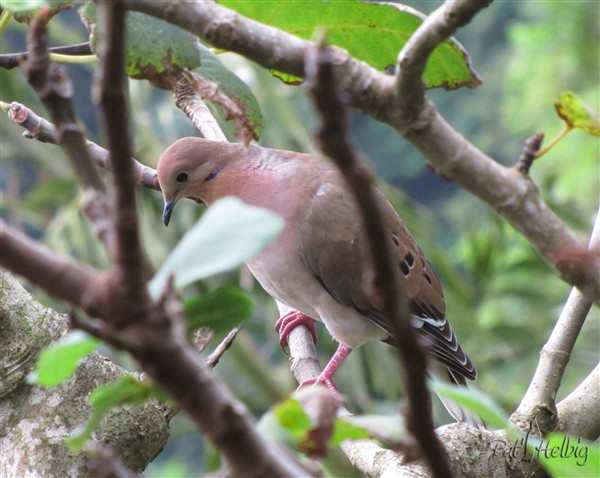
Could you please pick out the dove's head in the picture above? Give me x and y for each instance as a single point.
(190, 167)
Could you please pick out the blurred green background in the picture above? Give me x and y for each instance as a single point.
(502, 299)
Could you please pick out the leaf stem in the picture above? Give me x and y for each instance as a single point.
(4, 18)
(554, 141)
(62, 58)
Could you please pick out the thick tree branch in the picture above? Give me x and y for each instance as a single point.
(539, 401)
(579, 413)
(64, 278)
(41, 129)
(509, 192)
(28, 413)
(333, 141)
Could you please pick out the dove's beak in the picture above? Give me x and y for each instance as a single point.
(168, 209)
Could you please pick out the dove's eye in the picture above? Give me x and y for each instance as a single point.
(181, 177)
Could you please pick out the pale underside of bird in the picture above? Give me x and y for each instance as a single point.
(320, 265)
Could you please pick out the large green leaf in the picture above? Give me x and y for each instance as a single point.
(58, 362)
(371, 32)
(156, 50)
(230, 233)
(221, 310)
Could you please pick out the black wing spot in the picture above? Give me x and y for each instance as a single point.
(427, 277)
(410, 260)
(395, 239)
(404, 268)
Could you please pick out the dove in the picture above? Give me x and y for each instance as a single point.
(320, 264)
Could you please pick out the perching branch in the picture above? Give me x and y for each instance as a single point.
(511, 194)
(539, 401)
(333, 141)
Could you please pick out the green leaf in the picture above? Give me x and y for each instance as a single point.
(238, 92)
(474, 401)
(58, 362)
(564, 455)
(292, 417)
(570, 108)
(344, 429)
(374, 33)
(228, 234)
(390, 429)
(221, 310)
(126, 390)
(156, 51)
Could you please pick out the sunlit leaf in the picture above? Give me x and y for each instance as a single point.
(228, 234)
(293, 418)
(371, 32)
(571, 109)
(58, 362)
(388, 428)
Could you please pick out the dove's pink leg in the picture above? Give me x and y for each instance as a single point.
(326, 376)
(290, 321)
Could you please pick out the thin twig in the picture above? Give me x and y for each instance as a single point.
(531, 147)
(12, 60)
(55, 89)
(40, 129)
(332, 138)
(213, 359)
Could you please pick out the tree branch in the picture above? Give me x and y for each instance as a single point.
(55, 89)
(539, 401)
(35, 420)
(332, 138)
(130, 262)
(579, 413)
(42, 130)
(511, 194)
(62, 277)
(198, 113)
